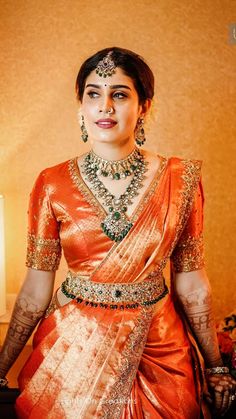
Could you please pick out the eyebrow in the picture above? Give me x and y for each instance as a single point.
(114, 86)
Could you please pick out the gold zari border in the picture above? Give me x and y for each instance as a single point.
(43, 254)
(120, 391)
(189, 256)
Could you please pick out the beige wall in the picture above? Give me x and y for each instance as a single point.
(186, 43)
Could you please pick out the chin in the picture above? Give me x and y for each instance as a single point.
(107, 139)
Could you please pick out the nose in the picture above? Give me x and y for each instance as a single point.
(106, 104)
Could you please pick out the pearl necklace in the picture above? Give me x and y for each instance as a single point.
(116, 225)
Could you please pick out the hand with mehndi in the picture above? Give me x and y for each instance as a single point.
(222, 392)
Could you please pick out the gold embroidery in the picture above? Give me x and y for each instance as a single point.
(151, 188)
(191, 176)
(113, 406)
(41, 242)
(189, 255)
(43, 254)
(78, 181)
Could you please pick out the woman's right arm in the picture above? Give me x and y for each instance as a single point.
(31, 303)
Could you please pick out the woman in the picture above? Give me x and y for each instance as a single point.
(113, 343)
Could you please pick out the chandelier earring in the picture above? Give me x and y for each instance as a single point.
(84, 132)
(140, 133)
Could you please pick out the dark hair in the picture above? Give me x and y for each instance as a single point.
(132, 65)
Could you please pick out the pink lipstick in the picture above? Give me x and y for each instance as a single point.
(106, 123)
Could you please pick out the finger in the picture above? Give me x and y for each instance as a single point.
(218, 399)
(212, 381)
(232, 397)
(219, 389)
(208, 396)
(226, 402)
(224, 382)
(209, 399)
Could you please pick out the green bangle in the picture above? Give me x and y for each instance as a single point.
(217, 370)
(3, 382)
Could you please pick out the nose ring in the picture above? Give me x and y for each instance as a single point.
(110, 111)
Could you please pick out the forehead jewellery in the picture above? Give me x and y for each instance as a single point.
(116, 224)
(106, 66)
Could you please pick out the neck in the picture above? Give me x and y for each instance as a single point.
(113, 151)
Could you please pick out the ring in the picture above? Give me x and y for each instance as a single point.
(232, 397)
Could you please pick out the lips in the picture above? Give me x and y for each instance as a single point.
(106, 123)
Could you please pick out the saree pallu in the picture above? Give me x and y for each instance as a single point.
(91, 362)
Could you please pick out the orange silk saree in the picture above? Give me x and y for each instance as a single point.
(91, 362)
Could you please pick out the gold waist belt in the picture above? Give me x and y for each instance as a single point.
(121, 295)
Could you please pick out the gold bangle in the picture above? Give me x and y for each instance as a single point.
(3, 382)
(217, 370)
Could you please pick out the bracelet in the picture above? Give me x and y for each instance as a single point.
(3, 382)
(217, 370)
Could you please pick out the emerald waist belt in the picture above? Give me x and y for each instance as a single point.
(115, 295)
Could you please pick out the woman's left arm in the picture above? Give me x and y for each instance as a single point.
(194, 293)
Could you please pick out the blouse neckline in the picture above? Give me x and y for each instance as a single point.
(94, 202)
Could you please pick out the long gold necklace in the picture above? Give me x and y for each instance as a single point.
(116, 224)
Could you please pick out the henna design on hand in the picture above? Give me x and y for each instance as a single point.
(25, 316)
(222, 387)
(198, 308)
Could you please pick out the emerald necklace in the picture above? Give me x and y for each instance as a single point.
(116, 225)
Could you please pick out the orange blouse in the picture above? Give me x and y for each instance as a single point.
(64, 214)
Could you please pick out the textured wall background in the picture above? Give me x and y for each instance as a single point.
(187, 45)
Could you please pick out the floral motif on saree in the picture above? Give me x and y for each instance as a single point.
(91, 362)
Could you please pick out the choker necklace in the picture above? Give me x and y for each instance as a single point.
(116, 225)
(114, 169)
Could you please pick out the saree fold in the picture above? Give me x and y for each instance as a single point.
(91, 362)
(86, 360)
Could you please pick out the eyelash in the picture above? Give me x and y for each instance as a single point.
(118, 95)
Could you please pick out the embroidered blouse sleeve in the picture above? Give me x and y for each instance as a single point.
(188, 254)
(43, 243)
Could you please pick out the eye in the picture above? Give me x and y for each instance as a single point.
(92, 94)
(120, 95)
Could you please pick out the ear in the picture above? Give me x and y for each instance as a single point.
(144, 107)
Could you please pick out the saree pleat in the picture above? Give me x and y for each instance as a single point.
(165, 382)
(94, 354)
(90, 362)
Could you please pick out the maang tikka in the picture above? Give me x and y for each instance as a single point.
(106, 67)
(140, 133)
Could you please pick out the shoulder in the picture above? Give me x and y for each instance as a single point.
(176, 163)
(50, 178)
(184, 177)
(54, 173)
(188, 170)
(56, 170)
(192, 165)
(178, 167)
